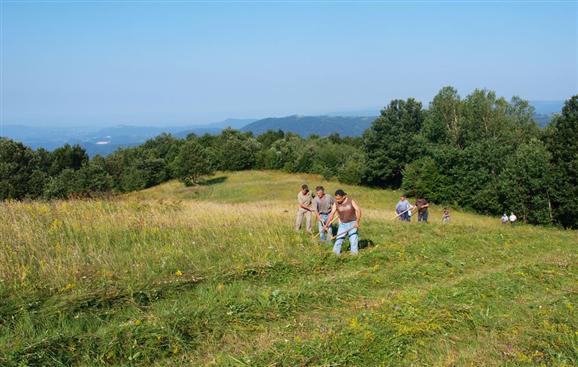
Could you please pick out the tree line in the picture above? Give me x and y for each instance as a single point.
(481, 152)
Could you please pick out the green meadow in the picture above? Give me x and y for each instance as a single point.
(215, 275)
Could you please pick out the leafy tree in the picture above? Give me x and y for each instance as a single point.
(238, 151)
(526, 183)
(562, 142)
(470, 141)
(423, 178)
(62, 186)
(18, 166)
(36, 183)
(44, 160)
(164, 147)
(282, 153)
(132, 179)
(115, 165)
(390, 143)
(351, 172)
(443, 122)
(475, 175)
(268, 138)
(305, 158)
(521, 116)
(483, 116)
(95, 177)
(153, 171)
(192, 162)
(67, 156)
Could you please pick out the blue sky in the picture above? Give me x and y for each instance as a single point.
(183, 62)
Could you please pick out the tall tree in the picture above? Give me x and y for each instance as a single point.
(391, 142)
(526, 183)
(562, 142)
(443, 121)
(422, 177)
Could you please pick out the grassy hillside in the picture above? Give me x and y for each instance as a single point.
(215, 275)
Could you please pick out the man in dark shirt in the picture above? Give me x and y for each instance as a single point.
(422, 206)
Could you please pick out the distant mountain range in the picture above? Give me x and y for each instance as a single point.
(307, 125)
(103, 141)
(214, 128)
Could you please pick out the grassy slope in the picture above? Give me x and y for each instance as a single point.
(215, 275)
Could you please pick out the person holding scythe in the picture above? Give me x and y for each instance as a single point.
(322, 204)
(349, 220)
(403, 209)
(304, 199)
(422, 209)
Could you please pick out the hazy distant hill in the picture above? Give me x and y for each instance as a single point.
(105, 140)
(214, 128)
(307, 125)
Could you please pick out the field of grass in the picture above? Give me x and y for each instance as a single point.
(215, 275)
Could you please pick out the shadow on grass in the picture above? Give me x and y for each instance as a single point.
(213, 181)
(365, 243)
(362, 244)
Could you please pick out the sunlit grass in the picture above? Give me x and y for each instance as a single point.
(215, 274)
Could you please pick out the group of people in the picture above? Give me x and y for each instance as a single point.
(509, 219)
(327, 208)
(404, 210)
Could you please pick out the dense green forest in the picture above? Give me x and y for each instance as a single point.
(480, 152)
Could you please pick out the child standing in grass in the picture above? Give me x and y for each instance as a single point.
(446, 216)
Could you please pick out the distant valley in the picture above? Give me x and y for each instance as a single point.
(105, 140)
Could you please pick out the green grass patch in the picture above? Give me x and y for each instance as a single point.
(216, 275)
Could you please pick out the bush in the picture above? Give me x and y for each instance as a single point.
(352, 170)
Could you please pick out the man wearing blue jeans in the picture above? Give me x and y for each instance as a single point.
(322, 204)
(422, 206)
(349, 220)
(403, 208)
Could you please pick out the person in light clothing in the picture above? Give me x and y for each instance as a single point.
(304, 200)
(403, 209)
(349, 220)
(322, 204)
